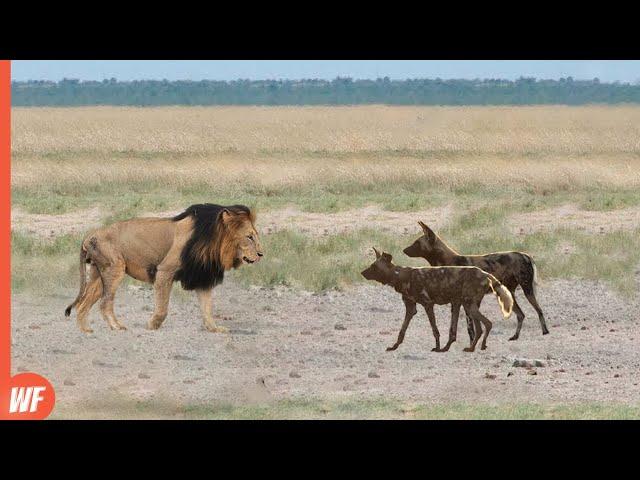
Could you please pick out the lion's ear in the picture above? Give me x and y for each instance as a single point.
(226, 215)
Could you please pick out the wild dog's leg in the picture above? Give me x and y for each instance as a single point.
(469, 310)
(472, 333)
(453, 328)
(410, 311)
(528, 292)
(475, 311)
(204, 296)
(162, 290)
(434, 328)
(90, 296)
(519, 315)
(111, 278)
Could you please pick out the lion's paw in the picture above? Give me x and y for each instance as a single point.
(216, 329)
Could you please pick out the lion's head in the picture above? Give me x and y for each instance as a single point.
(240, 241)
(222, 238)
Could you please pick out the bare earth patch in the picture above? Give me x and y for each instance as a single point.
(51, 226)
(313, 224)
(319, 224)
(291, 344)
(374, 217)
(570, 216)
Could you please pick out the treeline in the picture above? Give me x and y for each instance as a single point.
(341, 91)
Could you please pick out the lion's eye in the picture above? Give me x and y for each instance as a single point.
(250, 237)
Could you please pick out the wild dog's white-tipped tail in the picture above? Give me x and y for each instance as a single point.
(534, 283)
(505, 300)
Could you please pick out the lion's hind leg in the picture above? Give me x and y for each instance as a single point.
(90, 296)
(112, 276)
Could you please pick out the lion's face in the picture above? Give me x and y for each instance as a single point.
(244, 236)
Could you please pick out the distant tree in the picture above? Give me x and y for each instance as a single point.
(340, 91)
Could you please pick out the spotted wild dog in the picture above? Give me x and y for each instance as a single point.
(459, 286)
(510, 268)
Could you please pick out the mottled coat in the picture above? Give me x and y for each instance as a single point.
(429, 286)
(512, 269)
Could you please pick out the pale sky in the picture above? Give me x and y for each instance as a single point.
(605, 70)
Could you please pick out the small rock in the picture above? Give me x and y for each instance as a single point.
(612, 330)
(532, 372)
(34, 327)
(509, 374)
(617, 375)
(294, 374)
(242, 331)
(489, 376)
(143, 376)
(584, 327)
(306, 332)
(373, 374)
(69, 383)
(182, 357)
(339, 326)
(189, 381)
(413, 357)
(100, 363)
(523, 362)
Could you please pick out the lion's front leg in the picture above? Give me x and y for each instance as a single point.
(204, 297)
(162, 289)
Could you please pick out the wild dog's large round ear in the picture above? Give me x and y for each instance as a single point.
(427, 231)
(387, 256)
(378, 254)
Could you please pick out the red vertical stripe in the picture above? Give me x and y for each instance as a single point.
(5, 221)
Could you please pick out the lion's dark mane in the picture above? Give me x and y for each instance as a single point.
(194, 273)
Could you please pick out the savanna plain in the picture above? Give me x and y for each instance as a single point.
(307, 333)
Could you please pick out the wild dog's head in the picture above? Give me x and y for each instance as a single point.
(425, 246)
(380, 269)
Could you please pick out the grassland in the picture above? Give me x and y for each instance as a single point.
(387, 409)
(487, 162)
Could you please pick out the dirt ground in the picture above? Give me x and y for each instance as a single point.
(290, 344)
(317, 224)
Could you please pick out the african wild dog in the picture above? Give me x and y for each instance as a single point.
(511, 268)
(459, 286)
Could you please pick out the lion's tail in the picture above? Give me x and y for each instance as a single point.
(505, 300)
(83, 280)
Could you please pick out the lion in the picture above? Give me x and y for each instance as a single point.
(195, 247)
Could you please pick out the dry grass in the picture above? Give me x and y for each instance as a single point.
(274, 151)
(486, 162)
(472, 130)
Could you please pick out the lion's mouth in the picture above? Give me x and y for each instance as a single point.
(246, 260)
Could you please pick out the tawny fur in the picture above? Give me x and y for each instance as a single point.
(152, 250)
